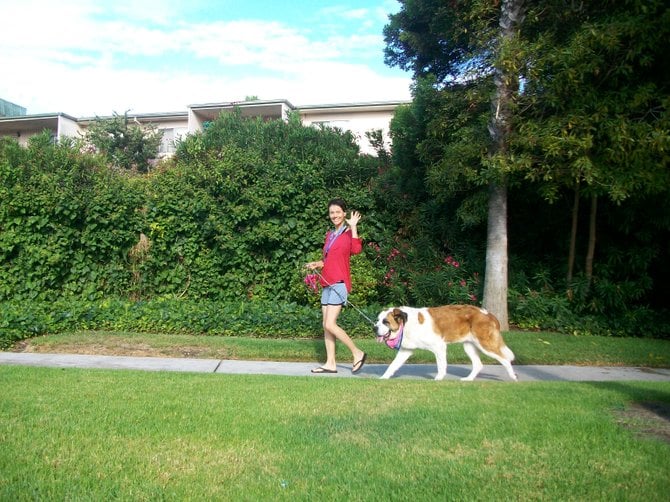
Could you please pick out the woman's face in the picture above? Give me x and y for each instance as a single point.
(337, 215)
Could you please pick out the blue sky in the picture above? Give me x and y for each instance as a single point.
(96, 57)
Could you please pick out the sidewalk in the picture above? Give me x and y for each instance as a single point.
(417, 371)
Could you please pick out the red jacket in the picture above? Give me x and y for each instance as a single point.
(336, 265)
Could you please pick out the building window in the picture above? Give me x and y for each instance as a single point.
(171, 136)
(336, 124)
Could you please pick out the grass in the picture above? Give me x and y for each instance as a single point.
(98, 435)
(529, 347)
(125, 435)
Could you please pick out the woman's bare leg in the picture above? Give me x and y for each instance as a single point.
(331, 332)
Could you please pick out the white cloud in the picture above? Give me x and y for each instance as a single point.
(267, 44)
(356, 14)
(77, 59)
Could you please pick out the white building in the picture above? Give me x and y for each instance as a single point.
(358, 118)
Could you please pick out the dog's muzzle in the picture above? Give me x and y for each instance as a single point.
(377, 328)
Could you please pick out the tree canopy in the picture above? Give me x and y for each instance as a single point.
(125, 145)
(589, 119)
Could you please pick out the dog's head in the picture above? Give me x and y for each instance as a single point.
(389, 322)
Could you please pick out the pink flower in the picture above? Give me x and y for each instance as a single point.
(312, 282)
(374, 246)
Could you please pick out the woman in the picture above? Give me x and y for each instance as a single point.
(335, 278)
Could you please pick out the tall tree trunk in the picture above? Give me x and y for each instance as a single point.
(592, 242)
(506, 82)
(573, 241)
(495, 280)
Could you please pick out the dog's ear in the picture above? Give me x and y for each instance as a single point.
(399, 316)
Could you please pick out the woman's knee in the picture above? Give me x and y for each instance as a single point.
(331, 327)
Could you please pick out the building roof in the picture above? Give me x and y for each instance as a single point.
(275, 108)
(364, 106)
(33, 122)
(145, 117)
(205, 111)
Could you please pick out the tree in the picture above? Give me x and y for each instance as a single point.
(125, 145)
(594, 116)
(507, 69)
(461, 46)
(584, 109)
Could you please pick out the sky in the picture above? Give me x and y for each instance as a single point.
(99, 57)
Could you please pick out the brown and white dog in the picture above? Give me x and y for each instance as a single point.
(432, 328)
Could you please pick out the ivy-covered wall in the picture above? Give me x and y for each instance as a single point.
(233, 216)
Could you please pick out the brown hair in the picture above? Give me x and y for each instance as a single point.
(339, 203)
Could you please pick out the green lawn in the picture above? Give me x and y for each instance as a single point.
(68, 434)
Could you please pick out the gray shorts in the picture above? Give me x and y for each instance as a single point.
(334, 295)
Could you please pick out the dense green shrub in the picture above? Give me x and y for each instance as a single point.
(20, 320)
(239, 209)
(548, 310)
(244, 205)
(65, 223)
(215, 240)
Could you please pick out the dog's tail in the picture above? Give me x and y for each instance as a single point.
(495, 326)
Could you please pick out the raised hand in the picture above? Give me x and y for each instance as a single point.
(354, 219)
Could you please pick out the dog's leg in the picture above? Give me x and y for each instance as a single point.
(507, 365)
(509, 369)
(477, 366)
(507, 356)
(441, 359)
(400, 358)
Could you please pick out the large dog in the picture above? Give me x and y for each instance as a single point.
(407, 329)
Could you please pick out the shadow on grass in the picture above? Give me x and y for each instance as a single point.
(647, 413)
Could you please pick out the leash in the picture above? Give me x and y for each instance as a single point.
(392, 343)
(312, 285)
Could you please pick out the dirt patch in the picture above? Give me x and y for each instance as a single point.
(649, 419)
(21, 346)
(112, 347)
